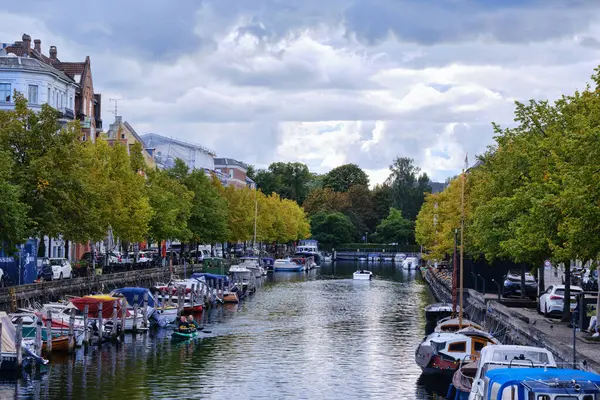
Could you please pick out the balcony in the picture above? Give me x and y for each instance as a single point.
(68, 114)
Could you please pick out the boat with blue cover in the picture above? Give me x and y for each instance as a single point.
(538, 384)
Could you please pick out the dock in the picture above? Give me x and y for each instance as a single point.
(516, 321)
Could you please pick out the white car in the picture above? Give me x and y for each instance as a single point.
(144, 258)
(551, 301)
(61, 268)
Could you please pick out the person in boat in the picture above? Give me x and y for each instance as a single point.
(183, 325)
(192, 323)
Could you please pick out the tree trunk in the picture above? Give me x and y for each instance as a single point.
(567, 298)
(541, 278)
(42, 247)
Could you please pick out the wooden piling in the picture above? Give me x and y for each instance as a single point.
(72, 331)
(163, 298)
(49, 333)
(38, 337)
(123, 316)
(180, 300)
(145, 310)
(170, 296)
(135, 312)
(18, 343)
(193, 295)
(86, 332)
(114, 321)
(0, 341)
(100, 330)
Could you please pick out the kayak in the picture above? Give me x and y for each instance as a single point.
(183, 336)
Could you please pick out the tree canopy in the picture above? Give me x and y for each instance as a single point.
(332, 229)
(342, 178)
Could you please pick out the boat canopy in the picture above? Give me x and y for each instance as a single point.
(8, 334)
(211, 277)
(130, 292)
(93, 303)
(542, 381)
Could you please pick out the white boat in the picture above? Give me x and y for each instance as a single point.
(399, 257)
(442, 352)
(410, 263)
(253, 265)
(437, 311)
(362, 274)
(287, 265)
(507, 356)
(309, 248)
(327, 259)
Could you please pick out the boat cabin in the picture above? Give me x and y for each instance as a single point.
(541, 384)
(454, 324)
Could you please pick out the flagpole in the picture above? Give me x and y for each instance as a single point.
(462, 228)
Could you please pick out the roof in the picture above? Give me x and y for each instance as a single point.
(219, 162)
(549, 380)
(148, 138)
(31, 64)
(71, 68)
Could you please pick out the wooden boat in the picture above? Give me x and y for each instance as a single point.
(454, 325)
(59, 344)
(462, 381)
(93, 302)
(363, 275)
(231, 297)
(442, 352)
(177, 335)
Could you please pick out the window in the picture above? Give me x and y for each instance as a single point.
(458, 347)
(230, 174)
(5, 93)
(478, 345)
(32, 96)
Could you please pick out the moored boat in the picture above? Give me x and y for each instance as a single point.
(442, 352)
(287, 265)
(362, 274)
(177, 335)
(438, 311)
(449, 324)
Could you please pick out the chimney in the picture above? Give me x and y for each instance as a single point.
(53, 52)
(38, 45)
(26, 43)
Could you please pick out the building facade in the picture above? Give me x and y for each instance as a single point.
(122, 132)
(40, 83)
(235, 171)
(84, 103)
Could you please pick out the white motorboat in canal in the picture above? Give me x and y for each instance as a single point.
(287, 265)
(362, 275)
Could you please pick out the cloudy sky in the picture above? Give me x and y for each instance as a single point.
(324, 82)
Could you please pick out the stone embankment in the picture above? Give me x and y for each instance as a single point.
(517, 325)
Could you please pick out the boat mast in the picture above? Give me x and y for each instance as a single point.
(255, 217)
(462, 228)
(454, 274)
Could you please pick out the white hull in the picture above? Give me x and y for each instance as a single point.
(362, 276)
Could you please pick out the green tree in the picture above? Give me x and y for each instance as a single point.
(395, 229)
(171, 204)
(382, 201)
(325, 199)
(408, 186)
(342, 178)
(14, 221)
(289, 180)
(361, 211)
(332, 229)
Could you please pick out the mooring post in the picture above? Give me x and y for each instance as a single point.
(86, 331)
(145, 310)
(171, 295)
(38, 337)
(123, 316)
(18, 343)
(49, 333)
(163, 298)
(72, 330)
(115, 321)
(193, 295)
(1, 341)
(100, 329)
(135, 312)
(180, 300)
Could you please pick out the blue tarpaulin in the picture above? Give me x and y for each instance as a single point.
(21, 267)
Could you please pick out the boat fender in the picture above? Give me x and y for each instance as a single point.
(424, 354)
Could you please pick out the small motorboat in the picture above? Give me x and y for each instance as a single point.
(287, 265)
(362, 274)
(437, 311)
(178, 335)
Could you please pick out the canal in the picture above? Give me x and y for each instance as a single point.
(316, 335)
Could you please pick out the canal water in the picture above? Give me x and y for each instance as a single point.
(316, 335)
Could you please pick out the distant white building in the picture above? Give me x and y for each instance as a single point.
(167, 149)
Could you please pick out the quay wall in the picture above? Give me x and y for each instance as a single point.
(507, 325)
(24, 295)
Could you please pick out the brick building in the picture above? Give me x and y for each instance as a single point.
(235, 171)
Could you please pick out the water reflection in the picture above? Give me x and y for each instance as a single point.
(303, 335)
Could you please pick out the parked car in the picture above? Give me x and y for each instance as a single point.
(58, 268)
(512, 284)
(551, 301)
(93, 258)
(144, 258)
